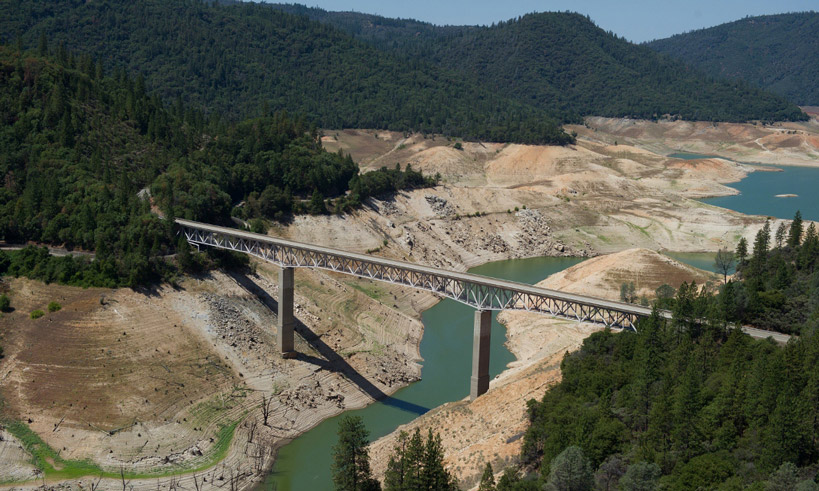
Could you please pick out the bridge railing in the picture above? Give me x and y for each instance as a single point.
(480, 292)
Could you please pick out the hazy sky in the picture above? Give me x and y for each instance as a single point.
(636, 20)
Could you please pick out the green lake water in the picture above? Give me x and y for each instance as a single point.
(702, 260)
(446, 348)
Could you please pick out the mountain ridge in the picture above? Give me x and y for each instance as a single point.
(510, 82)
(774, 52)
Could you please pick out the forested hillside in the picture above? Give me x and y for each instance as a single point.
(245, 60)
(75, 148)
(563, 63)
(779, 53)
(506, 82)
(694, 403)
(85, 156)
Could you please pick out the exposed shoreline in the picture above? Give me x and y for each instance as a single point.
(497, 202)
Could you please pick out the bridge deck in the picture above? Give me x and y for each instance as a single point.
(481, 292)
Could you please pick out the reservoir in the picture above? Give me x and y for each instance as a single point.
(446, 348)
(758, 192)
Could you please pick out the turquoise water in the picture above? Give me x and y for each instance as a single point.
(702, 260)
(758, 191)
(447, 351)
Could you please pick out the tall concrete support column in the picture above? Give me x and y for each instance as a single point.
(480, 353)
(286, 319)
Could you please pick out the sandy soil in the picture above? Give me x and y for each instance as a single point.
(602, 276)
(163, 369)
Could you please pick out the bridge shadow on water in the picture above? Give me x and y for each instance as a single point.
(330, 361)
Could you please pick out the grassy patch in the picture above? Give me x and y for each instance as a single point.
(53, 466)
(643, 230)
(47, 459)
(371, 291)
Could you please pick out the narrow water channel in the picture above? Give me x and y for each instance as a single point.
(447, 351)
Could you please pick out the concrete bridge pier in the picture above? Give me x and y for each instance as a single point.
(480, 353)
(287, 321)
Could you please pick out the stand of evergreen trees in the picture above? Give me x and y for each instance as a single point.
(90, 161)
(777, 53)
(415, 464)
(236, 60)
(564, 64)
(693, 403)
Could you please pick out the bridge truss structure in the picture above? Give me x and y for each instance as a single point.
(481, 292)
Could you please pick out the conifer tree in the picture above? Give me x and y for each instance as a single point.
(351, 462)
(436, 477)
(487, 479)
(418, 465)
(795, 233)
(42, 48)
(742, 251)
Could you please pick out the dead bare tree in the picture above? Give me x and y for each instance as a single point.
(235, 478)
(96, 484)
(196, 484)
(259, 456)
(122, 477)
(251, 429)
(266, 403)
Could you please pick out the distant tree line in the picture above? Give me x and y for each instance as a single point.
(246, 60)
(599, 73)
(777, 53)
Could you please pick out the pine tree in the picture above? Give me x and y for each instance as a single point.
(42, 48)
(795, 233)
(760, 255)
(742, 251)
(781, 230)
(570, 471)
(395, 475)
(351, 462)
(809, 249)
(418, 465)
(435, 476)
(487, 479)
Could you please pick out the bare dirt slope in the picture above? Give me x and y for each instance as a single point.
(149, 380)
(602, 276)
(779, 143)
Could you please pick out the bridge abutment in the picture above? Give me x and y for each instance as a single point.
(287, 321)
(480, 353)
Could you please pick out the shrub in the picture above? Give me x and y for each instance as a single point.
(458, 146)
(5, 303)
(36, 314)
(54, 306)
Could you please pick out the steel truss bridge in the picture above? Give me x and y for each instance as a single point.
(480, 292)
(483, 293)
